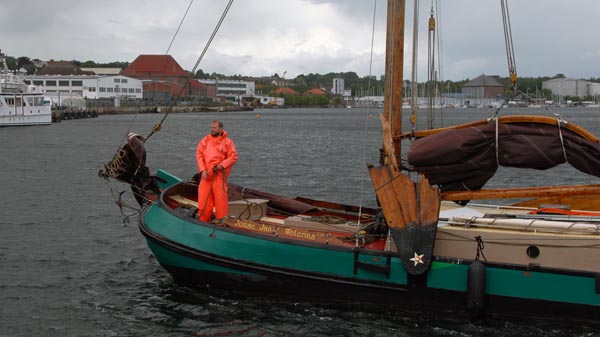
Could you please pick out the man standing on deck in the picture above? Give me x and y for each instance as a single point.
(215, 155)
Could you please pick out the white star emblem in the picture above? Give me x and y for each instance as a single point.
(417, 259)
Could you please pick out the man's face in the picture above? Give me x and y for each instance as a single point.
(215, 130)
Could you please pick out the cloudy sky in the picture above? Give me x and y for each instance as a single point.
(263, 37)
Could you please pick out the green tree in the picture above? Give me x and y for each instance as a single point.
(31, 69)
(572, 98)
(547, 93)
(88, 64)
(23, 61)
(11, 62)
(200, 74)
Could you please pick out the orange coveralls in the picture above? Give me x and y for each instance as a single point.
(212, 190)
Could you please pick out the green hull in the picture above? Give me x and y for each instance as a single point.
(183, 245)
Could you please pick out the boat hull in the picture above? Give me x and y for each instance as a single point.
(24, 120)
(249, 263)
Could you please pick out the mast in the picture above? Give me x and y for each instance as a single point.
(394, 60)
(411, 209)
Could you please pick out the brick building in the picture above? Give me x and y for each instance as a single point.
(483, 87)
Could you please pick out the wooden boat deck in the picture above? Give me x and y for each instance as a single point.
(503, 244)
(318, 225)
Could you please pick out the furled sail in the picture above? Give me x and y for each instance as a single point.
(466, 158)
(129, 166)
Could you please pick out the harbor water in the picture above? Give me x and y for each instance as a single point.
(71, 266)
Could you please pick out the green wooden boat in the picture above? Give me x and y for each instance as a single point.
(240, 255)
(418, 248)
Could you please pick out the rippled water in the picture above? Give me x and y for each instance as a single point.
(69, 267)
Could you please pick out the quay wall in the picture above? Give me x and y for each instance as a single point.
(60, 114)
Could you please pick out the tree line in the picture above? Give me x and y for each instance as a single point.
(23, 62)
(360, 86)
(373, 86)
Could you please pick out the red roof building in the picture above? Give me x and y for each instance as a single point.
(315, 92)
(285, 91)
(163, 77)
(161, 90)
(202, 89)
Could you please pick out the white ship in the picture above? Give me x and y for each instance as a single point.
(21, 104)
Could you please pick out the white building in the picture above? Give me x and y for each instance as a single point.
(272, 101)
(115, 86)
(338, 86)
(232, 89)
(593, 88)
(567, 87)
(87, 86)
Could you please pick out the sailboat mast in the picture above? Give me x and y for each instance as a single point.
(394, 60)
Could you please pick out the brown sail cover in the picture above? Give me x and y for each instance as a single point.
(465, 159)
(129, 165)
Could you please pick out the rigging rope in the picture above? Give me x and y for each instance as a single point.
(414, 87)
(510, 51)
(166, 53)
(180, 23)
(158, 126)
(440, 54)
(431, 78)
(103, 173)
(366, 129)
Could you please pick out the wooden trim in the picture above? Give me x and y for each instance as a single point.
(337, 206)
(527, 192)
(589, 202)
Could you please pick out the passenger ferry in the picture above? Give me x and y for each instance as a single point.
(21, 104)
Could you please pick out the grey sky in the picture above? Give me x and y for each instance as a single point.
(263, 37)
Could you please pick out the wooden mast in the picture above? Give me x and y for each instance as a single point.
(411, 210)
(394, 59)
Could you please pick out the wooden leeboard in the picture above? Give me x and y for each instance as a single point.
(403, 205)
(386, 194)
(407, 197)
(429, 202)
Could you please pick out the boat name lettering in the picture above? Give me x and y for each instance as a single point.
(300, 234)
(289, 232)
(253, 226)
(245, 225)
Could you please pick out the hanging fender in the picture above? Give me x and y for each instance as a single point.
(476, 288)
